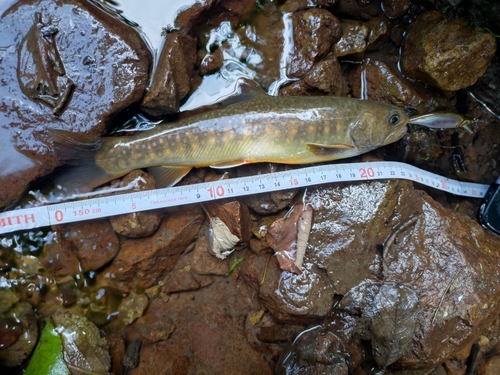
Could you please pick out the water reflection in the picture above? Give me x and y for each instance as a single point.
(151, 16)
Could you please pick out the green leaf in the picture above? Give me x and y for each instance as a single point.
(48, 358)
(235, 264)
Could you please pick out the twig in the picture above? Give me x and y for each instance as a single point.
(395, 231)
(265, 269)
(444, 293)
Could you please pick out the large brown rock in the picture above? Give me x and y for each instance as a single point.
(314, 32)
(22, 317)
(208, 337)
(172, 77)
(147, 259)
(94, 242)
(396, 8)
(379, 79)
(352, 42)
(446, 54)
(213, 12)
(373, 240)
(67, 66)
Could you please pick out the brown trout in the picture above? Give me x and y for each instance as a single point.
(289, 130)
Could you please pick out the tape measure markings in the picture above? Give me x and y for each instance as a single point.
(94, 208)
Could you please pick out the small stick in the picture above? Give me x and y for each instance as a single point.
(392, 237)
(303, 230)
(265, 270)
(444, 293)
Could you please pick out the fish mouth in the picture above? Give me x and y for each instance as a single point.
(393, 137)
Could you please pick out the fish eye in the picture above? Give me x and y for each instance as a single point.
(394, 119)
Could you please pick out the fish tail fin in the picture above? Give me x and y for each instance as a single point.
(77, 153)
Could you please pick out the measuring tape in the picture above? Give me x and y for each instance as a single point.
(94, 208)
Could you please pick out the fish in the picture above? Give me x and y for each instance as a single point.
(288, 130)
(443, 121)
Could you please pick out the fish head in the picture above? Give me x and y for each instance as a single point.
(378, 125)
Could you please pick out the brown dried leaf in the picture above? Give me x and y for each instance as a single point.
(282, 238)
(84, 350)
(394, 319)
(303, 230)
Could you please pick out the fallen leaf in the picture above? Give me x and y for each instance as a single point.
(393, 321)
(303, 229)
(220, 240)
(48, 356)
(234, 214)
(235, 264)
(282, 238)
(84, 350)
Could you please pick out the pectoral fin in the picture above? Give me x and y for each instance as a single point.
(166, 176)
(329, 150)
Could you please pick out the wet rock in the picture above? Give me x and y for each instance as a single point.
(85, 59)
(154, 326)
(297, 88)
(180, 281)
(380, 32)
(68, 292)
(485, 90)
(58, 258)
(295, 5)
(492, 366)
(137, 224)
(379, 79)
(146, 260)
(327, 77)
(314, 32)
(202, 262)
(443, 256)
(94, 242)
(172, 77)
(277, 333)
(259, 247)
(266, 203)
(117, 352)
(444, 53)
(131, 357)
(326, 349)
(454, 237)
(287, 295)
(200, 14)
(234, 214)
(10, 331)
(358, 9)
(132, 308)
(208, 337)
(212, 62)
(352, 42)
(396, 8)
(15, 353)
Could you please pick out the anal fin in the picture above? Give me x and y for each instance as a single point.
(228, 164)
(329, 149)
(166, 176)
